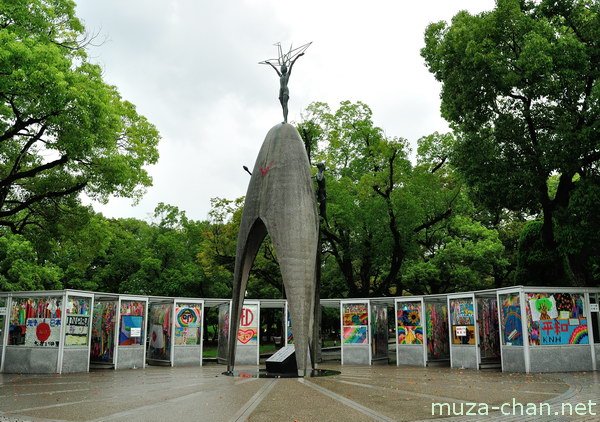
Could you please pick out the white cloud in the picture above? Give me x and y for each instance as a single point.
(190, 66)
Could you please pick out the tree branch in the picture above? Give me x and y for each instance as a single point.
(433, 221)
(24, 150)
(17, 127)
(332, 237)
(10, 224)
(591, 159)
(32, 172)
(439, 165)
(563, 191)
(37, 198)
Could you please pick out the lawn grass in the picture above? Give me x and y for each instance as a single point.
(210, 350)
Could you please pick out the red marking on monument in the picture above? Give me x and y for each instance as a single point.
(265, 170)
(42, 331)
(247, 317)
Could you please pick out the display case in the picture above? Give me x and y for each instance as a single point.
(160, 331)
(248, 338)
(488, 329)
(4, 311)
(35, 330)
(76, 339)
(104, 331)
(188, 332)
(436, 330)
(379, 332)
(558, 333)
(224, 322)
(355, 332)
(131, 329)
(595, 325)
(463, 331)
(410, 332)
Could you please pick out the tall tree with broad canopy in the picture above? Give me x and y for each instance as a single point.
(63, 130)
(378, 204)
(456, 253)
(521, 85)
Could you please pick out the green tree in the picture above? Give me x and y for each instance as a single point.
(509, 226)
(157, 258)
(124, 255)
(455, 252)
(19, 267)
(363, 232)
(378, 203)
(536, 264)
(461, 255)
(128, 247)
(520, 84)
(217, 254)
(63, 130)
(175, 243)
(75, 246)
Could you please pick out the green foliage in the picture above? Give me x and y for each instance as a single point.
(363, 168)
(163, 260)
(76, 249)
(455, 252)
(217, 254)
(19, 268)
(579, 233)
(120, 255)
(63, 130)
(536, 264)
(521, 86)
(465, 256)
(384, 212)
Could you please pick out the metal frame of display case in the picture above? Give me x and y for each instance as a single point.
(435, 299)
(5, 312)
(455, 347)
(128, 298)
(174, 360)
(355, 347)
(422, 360)
(90, 296)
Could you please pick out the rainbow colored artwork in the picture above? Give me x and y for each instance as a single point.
(188, 316)
(355, 314)
(410, 335)
(462, 312)
(355, 335)
(437, 331)
(248, 336)
(579, 335)
(131, 327)
(409, 317)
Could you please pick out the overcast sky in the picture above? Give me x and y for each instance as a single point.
(191, 67)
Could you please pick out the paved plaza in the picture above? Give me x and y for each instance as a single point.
(381, 393)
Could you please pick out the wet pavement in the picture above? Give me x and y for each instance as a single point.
(381, 393)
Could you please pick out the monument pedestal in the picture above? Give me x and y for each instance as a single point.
(283, 361)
